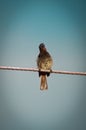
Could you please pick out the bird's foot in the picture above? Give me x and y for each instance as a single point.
(39, 70)
(50, 70)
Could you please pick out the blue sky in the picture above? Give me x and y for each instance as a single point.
(61, 26)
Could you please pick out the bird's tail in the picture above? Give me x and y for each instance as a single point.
(43, 84)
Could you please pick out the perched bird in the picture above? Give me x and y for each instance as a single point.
(44, 61)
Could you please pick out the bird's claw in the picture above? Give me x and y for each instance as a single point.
(50, 70)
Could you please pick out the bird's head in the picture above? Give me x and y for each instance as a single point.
(42, 47)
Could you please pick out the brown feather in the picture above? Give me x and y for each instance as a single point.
(43, 84)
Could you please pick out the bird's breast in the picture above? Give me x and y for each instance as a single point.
(45, 64)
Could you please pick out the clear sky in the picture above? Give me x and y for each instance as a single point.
(60, 24)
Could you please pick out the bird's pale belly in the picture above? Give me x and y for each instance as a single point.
(46, 65)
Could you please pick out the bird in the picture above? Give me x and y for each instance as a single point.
(45, 62)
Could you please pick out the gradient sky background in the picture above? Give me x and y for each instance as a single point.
(61, 25)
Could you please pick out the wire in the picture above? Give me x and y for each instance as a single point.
(37, 70)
